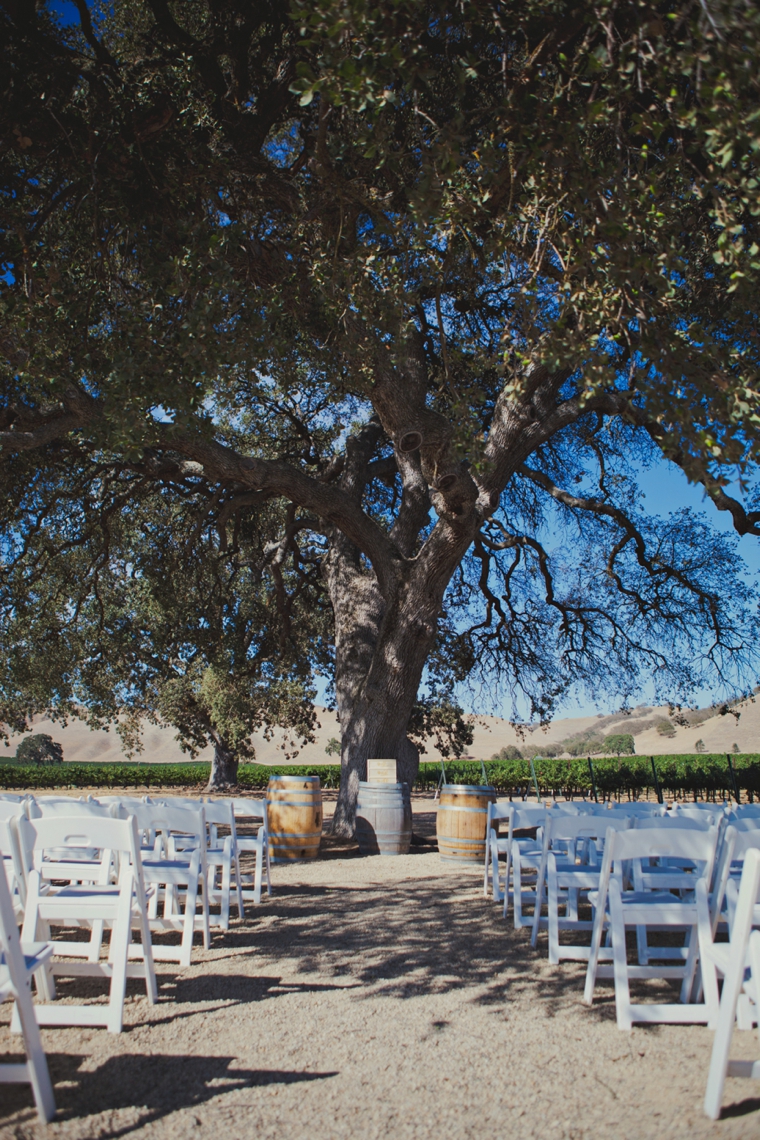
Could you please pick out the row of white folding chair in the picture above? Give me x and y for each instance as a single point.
(178, 879)
(87, 900)
(562, 875)
(18, 964)
(525, 856)
(618, 909)
(222, 853)
(532, 815)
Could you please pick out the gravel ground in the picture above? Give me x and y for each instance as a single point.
(377, 997)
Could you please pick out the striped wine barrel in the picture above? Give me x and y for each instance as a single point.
(461, 821)
(383, 819)
(294, 816)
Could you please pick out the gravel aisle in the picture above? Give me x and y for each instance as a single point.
(377, 998)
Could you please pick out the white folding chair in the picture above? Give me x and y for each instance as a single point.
(523, 858)
(253, 813)
(671, 874)
(18, 964)
(496, 845)
(741, 970)
(223, 860)
(742, 837)
(176, 868)
(119, 905)
(565, 872)
(622, 908)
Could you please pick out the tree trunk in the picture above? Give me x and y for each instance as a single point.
(381, 649)
(224, 769)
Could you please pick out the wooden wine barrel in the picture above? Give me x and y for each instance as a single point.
(294, 816)
(461, 821)
(384, 819)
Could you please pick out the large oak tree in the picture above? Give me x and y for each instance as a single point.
(411, 289)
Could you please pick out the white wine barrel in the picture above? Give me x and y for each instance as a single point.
(461, 821)
(383, 819)
(294, 817)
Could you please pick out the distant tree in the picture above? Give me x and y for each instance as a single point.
(621, 743)
(734, 748)
(665, 727)
(530, 751)
(39, 749)
(509, 752)
(333, 746)
(699, 746)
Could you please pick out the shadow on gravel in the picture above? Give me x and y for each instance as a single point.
(409, 937)
(155, 1085)
(237, 989)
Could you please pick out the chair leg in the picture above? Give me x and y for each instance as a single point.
(121, 933)
(239, 888)
(540, 882)
(620, 958)
(39, 1076)
(506, 880)
(690, 967)
(258, 873)
(188, 928)
(593, 955)
(226, 887)
(553, 907)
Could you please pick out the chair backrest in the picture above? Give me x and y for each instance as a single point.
(11, 954)
(656, 841)
(578, 807)
(10, 808)
(677, 822)
(50, 809)
(713, 812)
(594, 826)
(250, 809)
(176, 801)
(526, 816)
(746, 836)
(169, 819)
(639, 808)
(502, 809)
(64, 835)
(742, 811)
(11, 857)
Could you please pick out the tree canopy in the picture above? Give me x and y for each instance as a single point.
(399, 293)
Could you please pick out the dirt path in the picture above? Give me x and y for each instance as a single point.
(375, 997)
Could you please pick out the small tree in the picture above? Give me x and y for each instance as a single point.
(332, 747)
(699, 746)
(621, 743)
(665, 727)
(734, 748)
(510, 752)
(39, 749)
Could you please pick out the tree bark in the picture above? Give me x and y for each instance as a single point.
(224, 769)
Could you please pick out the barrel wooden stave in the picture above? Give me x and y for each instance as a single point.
(294, 818)
(461, 822)
(383, 819)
